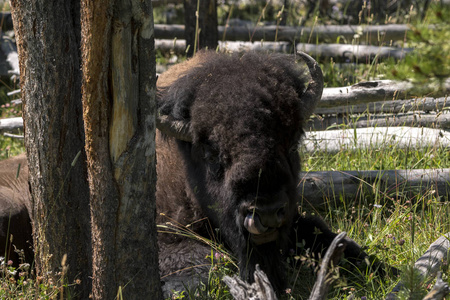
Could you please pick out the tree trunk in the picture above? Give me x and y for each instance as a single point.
(200, 19)
(119, 115)
(48, 40)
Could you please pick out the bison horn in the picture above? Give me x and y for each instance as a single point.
(253, 224)
(173, 128)
(313, 93)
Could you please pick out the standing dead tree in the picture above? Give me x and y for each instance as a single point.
(200, 18)
(119, 85)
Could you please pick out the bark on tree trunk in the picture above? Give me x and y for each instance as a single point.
(206, 13)
(119, 114)
(48, 39)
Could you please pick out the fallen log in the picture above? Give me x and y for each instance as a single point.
(340, 52)
(412, 119)
(11, 124)
(428, 266)
(318, 189)
(390, 106)
(330, 33)
(371, 91)
(333, 141)
(8, 47)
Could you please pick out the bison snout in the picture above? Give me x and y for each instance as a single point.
(259, 220)
(253, 224)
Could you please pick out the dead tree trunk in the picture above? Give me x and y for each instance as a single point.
(119, 116)
(48, 40)
(200, 19)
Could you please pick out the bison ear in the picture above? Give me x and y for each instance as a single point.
(174, 104)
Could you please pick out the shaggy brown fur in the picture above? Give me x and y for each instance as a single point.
(15, 227)
(244, 115)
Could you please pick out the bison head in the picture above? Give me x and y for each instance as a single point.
(238, 121)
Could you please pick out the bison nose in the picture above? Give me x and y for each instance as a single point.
(260, 219)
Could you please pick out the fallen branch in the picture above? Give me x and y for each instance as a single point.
(428, 266)
(340, 52)
(318, 189)
(329, 33)
(14, 136)
(333, 141)
(332, 258)
(261, 289)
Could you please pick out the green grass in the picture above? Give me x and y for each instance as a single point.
(394, 225)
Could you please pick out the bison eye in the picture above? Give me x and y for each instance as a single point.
(211, 157)
(212, 161)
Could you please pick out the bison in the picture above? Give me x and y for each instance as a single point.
(227, 149)
(227, 161)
